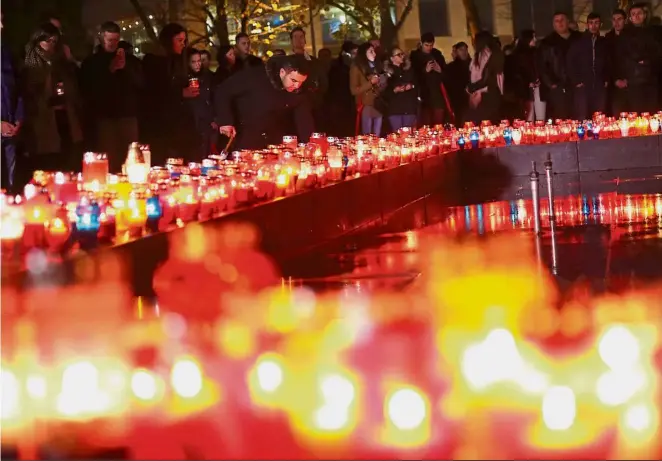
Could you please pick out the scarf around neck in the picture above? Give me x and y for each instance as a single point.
(477, 69)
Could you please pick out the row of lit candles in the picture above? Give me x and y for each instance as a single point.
(96, 205)
(144, 197)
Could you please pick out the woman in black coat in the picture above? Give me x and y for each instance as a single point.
(168, 126)
(527, 79)
(201, 107)
(401, 91)
(226, 63)
(486, 82)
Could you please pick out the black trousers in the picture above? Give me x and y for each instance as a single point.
(588, 100)
(559, 103)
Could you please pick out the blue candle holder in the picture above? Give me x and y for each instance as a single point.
(475, 138)
(154, 212)
(207, 166)
(88, 223)
(153, 207)
(88, 217)
(461, 141)
(508, 136)
(581, 132)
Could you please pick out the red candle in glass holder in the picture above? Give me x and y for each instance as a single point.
(290, 142)
(57, 234)
(321, 140)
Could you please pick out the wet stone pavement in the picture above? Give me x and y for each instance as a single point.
(606, 242)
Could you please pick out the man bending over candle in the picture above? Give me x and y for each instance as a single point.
(261, 104)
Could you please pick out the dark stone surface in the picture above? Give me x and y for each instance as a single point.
(620, 153)
(400, 186)
(562, 185)
(632, 181)
(518, 158)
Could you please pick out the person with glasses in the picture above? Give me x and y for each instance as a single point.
(401, 91)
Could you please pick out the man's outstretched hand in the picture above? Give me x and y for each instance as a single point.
(228, 130)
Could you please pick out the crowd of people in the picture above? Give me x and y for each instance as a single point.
(53, 107)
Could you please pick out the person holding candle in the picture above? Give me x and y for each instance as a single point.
(201, 107)
(168, 130)
(401, 92)
(52, 104)
(257, 103)
(587, 61)
(111, 81)
(366, 82)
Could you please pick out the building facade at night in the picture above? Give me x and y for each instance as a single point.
(445, 18)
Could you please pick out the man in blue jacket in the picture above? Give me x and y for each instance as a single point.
(12, 115)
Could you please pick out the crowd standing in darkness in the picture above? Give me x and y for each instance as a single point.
(54, 107)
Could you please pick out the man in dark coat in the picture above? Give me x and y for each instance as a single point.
(617, 99)
(12, 116)
(456, 80)
(429, 65)
(242, 50)
(639, 56)
(264, 100)
(339, 99)
(588, 73)
(111, 80)
(317, 80)
(555, 87)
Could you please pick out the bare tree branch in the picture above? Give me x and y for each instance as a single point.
(409, 5)
(142, 14)
(472, 16)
